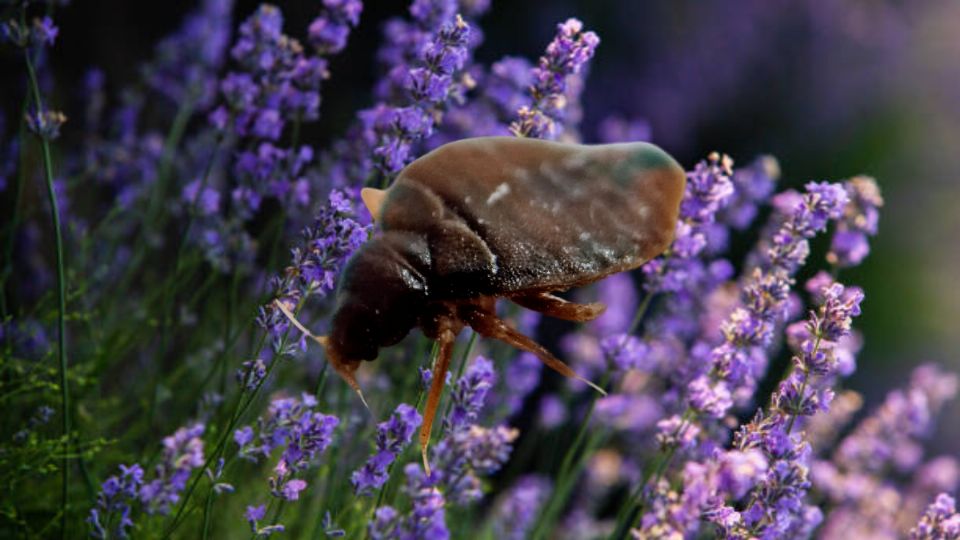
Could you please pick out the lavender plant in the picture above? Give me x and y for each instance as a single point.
(194, 217)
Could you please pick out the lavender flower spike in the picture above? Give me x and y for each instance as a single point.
(429, 86)
(776, 506)
(327, 244)
(182, 452)
(566, 55)
(392, 437)
(850, 244)
(940, 522)
(749, 329)
(328, 33)
(114, 503)
(517, 511)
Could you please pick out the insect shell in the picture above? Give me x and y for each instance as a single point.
(498, 217)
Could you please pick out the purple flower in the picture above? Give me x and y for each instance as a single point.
(739, 471)
(516, 511)
(292, 488)
(325, 247)
(522, 375)
(625, 352)
(385, 524)
(251, 373)
(940, 522)
(328, 33)
(206, 201)
(392, 437)
(890, 436)
(486, 450)
(776, 503)
(749, 329)
(506, 86)
(182, 453)
(618, 293)
(114, 501)
(44, 32)
(253, 514)
(185, 63)
(565, 56)
(45, 123)
(632, 413)
(753, 185)
(429, 84)
(850, 243)
(243, 436)
(294, 425)
(468, 450)
(469, 394)
(426, 518)
(552, 411)
(676, 432)
(708, 190)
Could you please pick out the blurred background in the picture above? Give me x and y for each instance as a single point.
(831, 88)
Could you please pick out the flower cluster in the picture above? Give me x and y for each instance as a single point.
(425, 520)
(740, 360)
(566, 55)
(186, 63)
(121, 493)
(465, 452)
(517, 509)
(857, 479)
(429, 86)
(117, 494)
(41, 32)
(776, 504)
(279, 83)
(850, 242)
(709, 189)
(253, 515)
(392, 437)
(328, 34)
(326, 245)
(182, 453)
(293, 425)
(941, 521)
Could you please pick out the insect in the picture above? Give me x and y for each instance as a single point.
(498, 217)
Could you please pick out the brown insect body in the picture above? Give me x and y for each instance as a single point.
(480, 219)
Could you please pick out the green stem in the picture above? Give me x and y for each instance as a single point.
(61, 303)
(239, 409)
(205, 530)
(564, 476)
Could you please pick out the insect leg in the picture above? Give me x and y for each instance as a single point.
(554, 306)
(488, 324)
(440, 368)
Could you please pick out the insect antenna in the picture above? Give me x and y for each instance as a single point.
(346, 371)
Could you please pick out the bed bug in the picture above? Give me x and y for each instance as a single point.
(481, 219)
